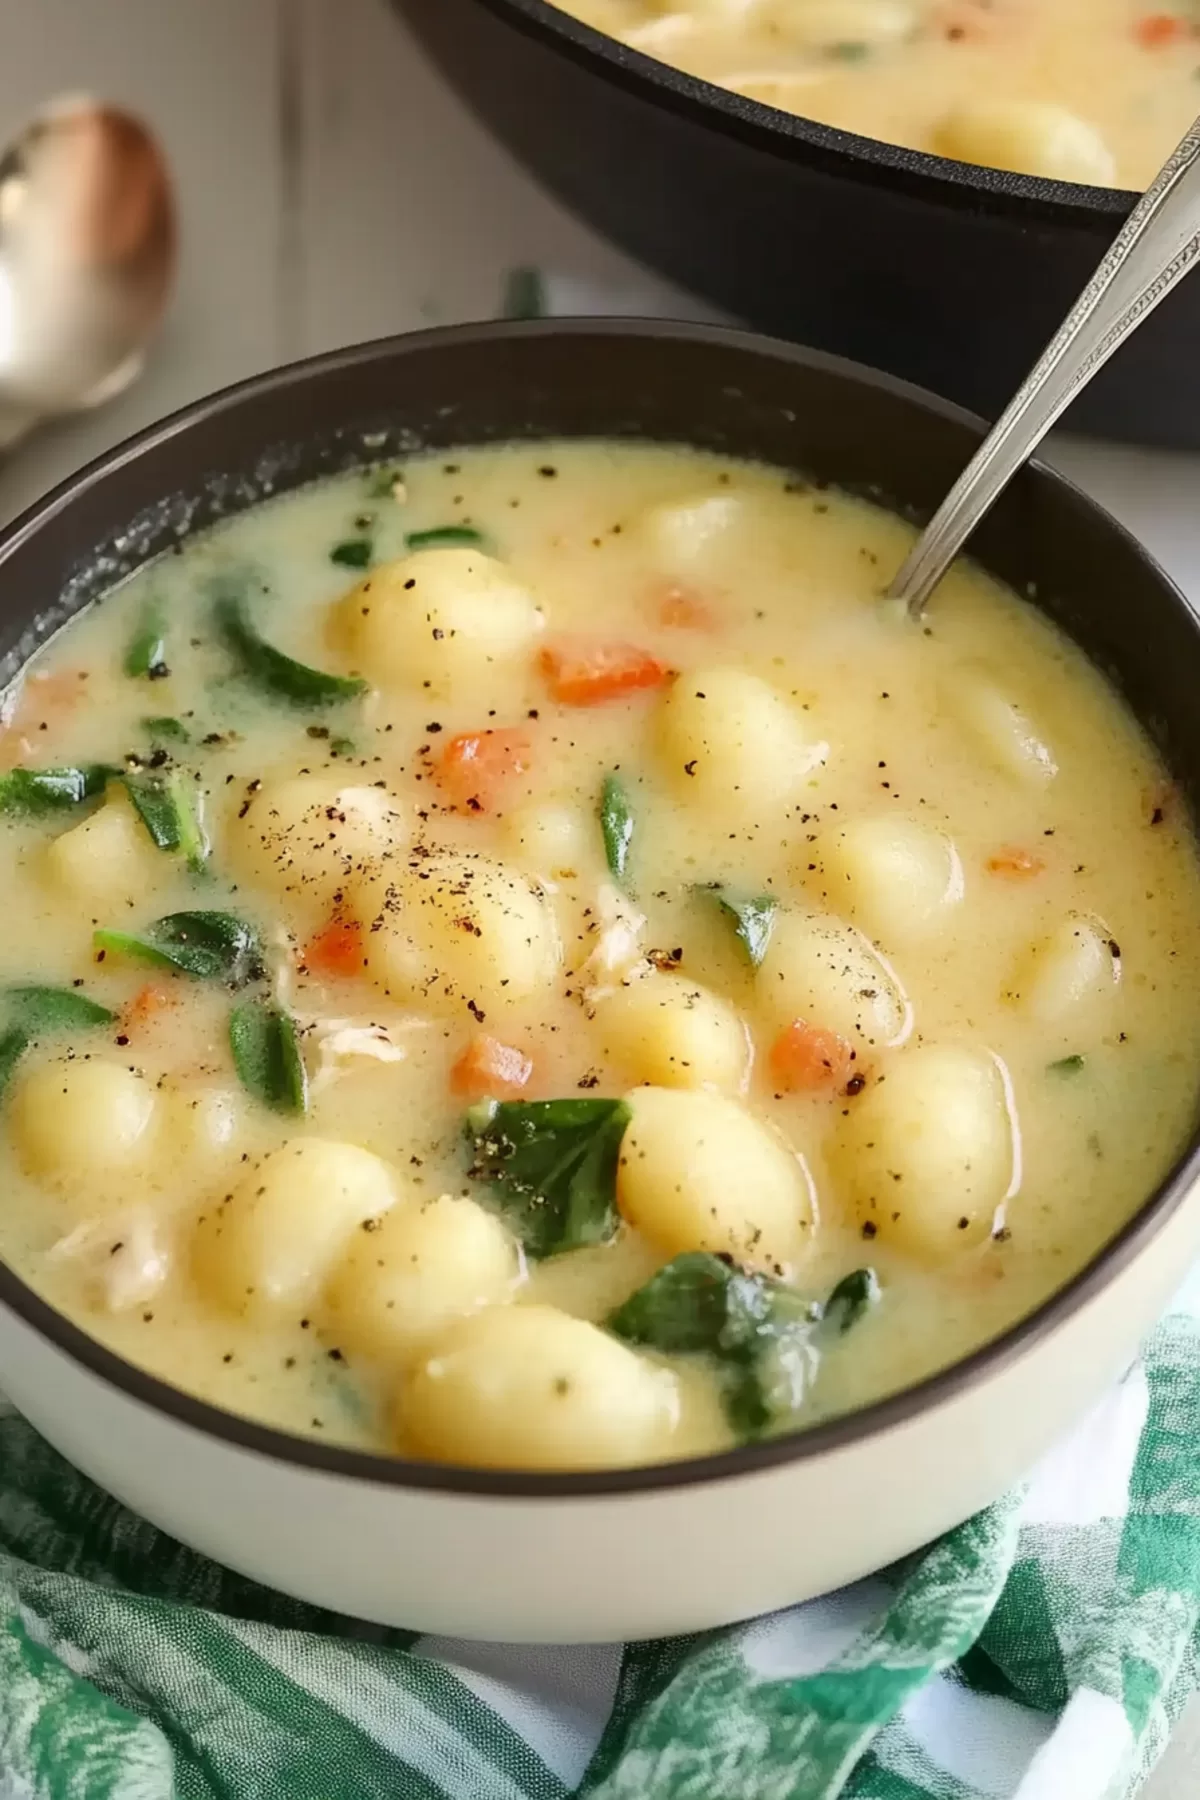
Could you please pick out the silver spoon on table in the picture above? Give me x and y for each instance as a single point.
(1156, 247)
(87, 260)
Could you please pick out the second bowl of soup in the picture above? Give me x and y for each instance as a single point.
(927, 191)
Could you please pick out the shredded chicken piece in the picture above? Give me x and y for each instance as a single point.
(339, 1041)
(283, 960)
(129, 1257)
(617, 957)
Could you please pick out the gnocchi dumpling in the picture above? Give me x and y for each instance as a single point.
(205, 1124)
(668, 1032)
(270, 1244)
(308, 837)
(109, 860)
(86, 1128)
(732, 744)
(1030, 137)
(458, 932)
(819, 969)
(681, 534)
(1068, 972)
(897, 878)
(929, 1153)
(698, 1171)
(552, 839)
(1000, 728)
(529, 1387)
(425, 1263)
(437, 621)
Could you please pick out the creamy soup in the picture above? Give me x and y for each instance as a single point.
(524, 960)
(1097, 91)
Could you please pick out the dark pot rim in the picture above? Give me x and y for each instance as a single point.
(842, 1432)
(1029, 199)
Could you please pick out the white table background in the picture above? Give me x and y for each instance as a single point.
(332, 190)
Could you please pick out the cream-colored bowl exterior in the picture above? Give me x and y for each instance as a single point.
(653, 1561)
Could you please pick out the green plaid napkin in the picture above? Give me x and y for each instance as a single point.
(1041, 1650)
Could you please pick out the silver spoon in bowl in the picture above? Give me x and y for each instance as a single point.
(1155, 248)
(87, 260)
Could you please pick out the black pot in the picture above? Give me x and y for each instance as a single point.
(950, 275)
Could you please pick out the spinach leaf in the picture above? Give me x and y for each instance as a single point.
(1067, 1065)
(164, 731)
(193, 839)
(167, 808)
(753, 918)
(854, 1295)
(697, 1302)
(40, 1009)
(147, 652)
(553, 1166)
(446, 537)
(269, 668)
(13, 1044)
(758, 1332)
(33, 1012)
(353, 553)
(155, 807)
(762, 1334)
(30, 792)
(524, 295)
(266, 1055)
(617, 825)
(209, 946)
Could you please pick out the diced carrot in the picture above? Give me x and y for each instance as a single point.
(679, 606)
(44, 698)
(1015, 863)
(51, 691)
(488, 1069)
(337, 950)
(146, 1005)
(587, 671)
(476, 767)
(1157, 29)
(807, 1057)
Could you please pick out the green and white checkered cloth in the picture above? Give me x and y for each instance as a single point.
(1038, 1652)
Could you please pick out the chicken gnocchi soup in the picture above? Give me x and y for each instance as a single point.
(522, 959)
(1095, 91)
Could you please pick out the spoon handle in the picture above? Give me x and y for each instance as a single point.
(1156, 247)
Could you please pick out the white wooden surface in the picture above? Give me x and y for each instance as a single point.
(332, 190)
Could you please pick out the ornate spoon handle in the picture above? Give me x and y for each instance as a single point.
(1156, 247)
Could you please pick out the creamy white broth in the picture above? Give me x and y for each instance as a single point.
(1097, 91)
(1023, 884)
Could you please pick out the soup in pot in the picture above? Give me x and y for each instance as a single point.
(1095, 91)
(524, 960)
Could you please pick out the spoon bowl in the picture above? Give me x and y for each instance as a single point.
(87, 259)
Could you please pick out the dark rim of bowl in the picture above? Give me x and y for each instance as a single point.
(1030, 198)
(803, 1445)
